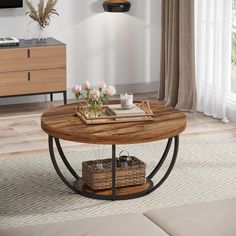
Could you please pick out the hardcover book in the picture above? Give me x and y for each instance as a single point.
(116, 110)
(134, 113)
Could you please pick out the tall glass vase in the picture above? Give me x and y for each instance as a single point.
(41, 35)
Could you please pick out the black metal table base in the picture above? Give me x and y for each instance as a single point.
(77, 188)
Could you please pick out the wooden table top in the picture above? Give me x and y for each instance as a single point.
(61, 122)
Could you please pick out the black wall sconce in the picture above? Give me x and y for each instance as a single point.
(116, 5)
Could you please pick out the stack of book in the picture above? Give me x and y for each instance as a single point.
(126, 114)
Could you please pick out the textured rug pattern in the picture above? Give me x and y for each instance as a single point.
(32, 193)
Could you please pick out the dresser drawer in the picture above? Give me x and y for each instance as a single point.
(47, 57)
(14, 59)
(36, 81)
(19, 59)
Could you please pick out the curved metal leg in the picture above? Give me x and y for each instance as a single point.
(63, 157)
(113, 172)
(54, 162)
(163, 158)
(174, 157)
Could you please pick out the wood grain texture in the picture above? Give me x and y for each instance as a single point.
(13, 59)
(62, 123)
(17, 59)
(16, 83)
(119, 191)
(48, 57)
(32, 70)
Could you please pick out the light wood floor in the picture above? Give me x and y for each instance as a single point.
(20, 132)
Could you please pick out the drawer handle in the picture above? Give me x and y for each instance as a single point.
(28, 53)
(29, 76)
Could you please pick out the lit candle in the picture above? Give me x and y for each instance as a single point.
(126, 100)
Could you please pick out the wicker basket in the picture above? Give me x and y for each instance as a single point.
(101, 179)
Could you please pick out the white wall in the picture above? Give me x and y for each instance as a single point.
(121, 49)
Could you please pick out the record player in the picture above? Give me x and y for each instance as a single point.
(9, 41)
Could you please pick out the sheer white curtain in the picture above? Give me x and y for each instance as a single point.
(213, 56)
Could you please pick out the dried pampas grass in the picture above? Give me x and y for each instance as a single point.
(43, 14)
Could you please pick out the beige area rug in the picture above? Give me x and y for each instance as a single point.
(32, 193)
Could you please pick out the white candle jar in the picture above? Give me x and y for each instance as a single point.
(126, 101)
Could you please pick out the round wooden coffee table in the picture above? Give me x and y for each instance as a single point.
(61, 123)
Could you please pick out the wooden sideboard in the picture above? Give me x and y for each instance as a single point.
(33, 68)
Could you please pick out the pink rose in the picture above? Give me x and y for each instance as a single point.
(110, 91)
(85, 85)
(77, 89)
(94, 94)
(102, 86)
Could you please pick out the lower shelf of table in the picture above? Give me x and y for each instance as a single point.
(124, 191)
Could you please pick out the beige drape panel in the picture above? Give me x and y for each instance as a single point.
(177, 76)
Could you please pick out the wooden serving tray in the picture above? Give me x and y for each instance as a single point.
(108, 119)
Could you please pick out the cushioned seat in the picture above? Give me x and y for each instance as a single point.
(120, 225)
(201, 219)
(216, 218)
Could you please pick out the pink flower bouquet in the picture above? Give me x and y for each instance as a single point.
(94, 98)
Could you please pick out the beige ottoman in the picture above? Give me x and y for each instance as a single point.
(216, 218)
(119, 225)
